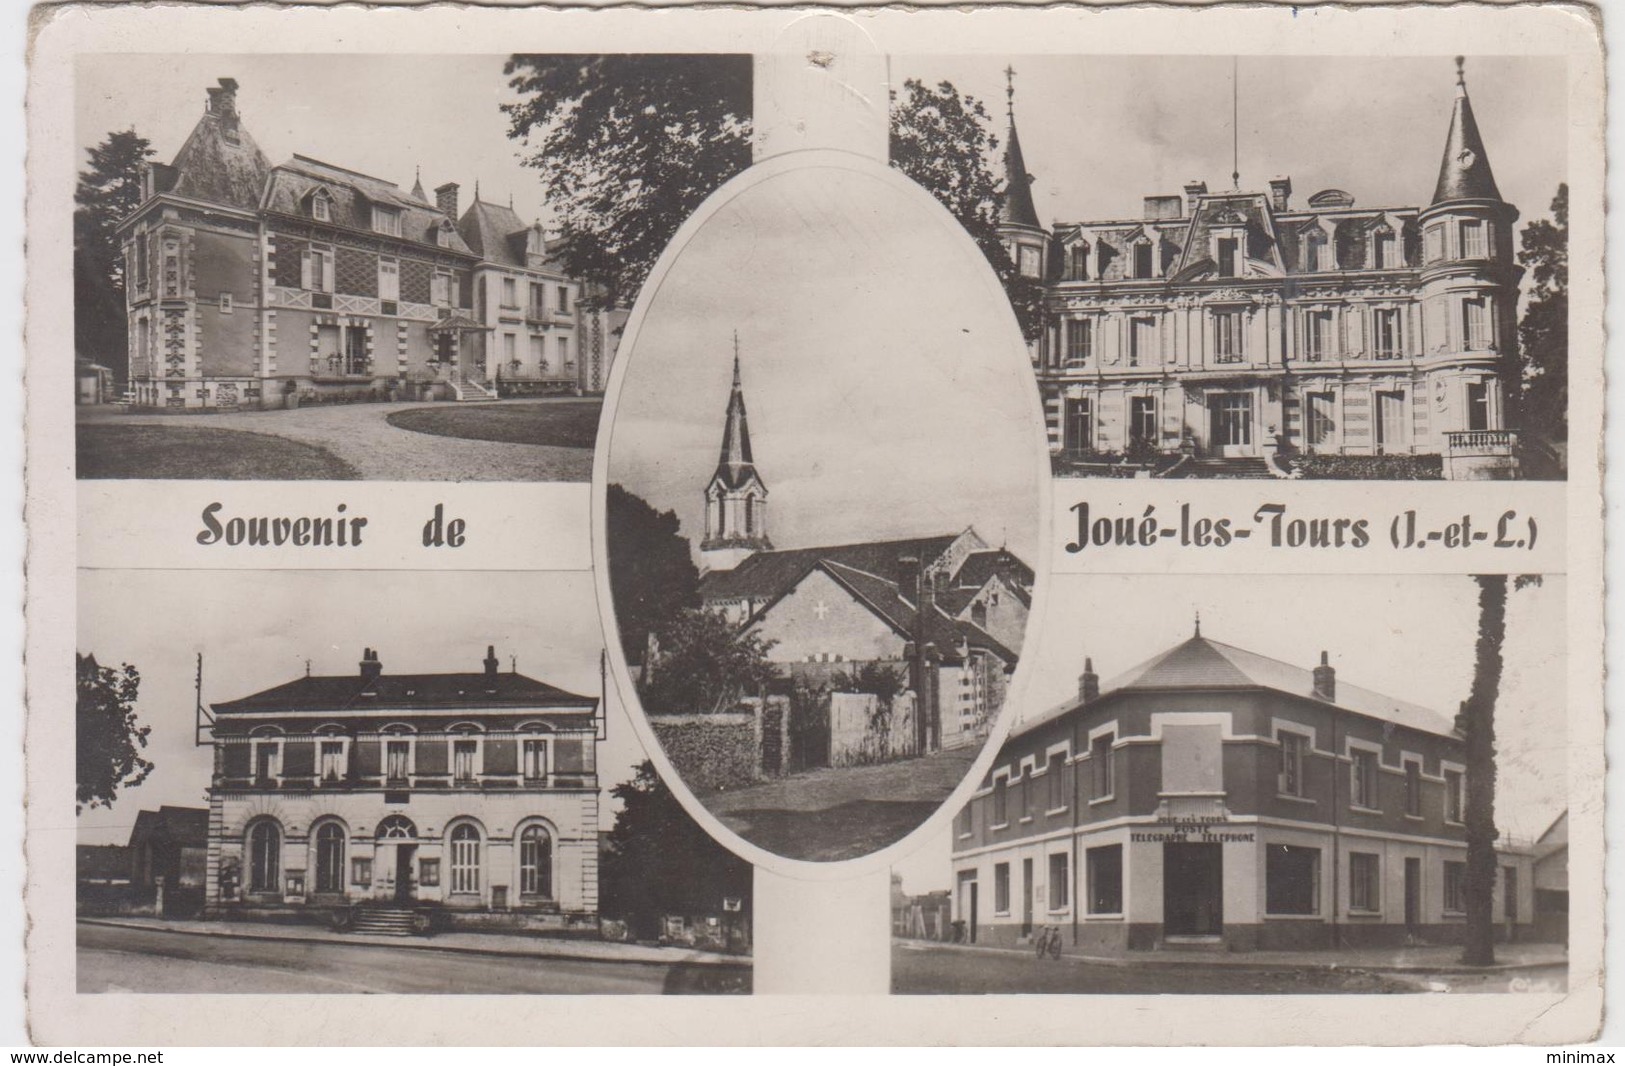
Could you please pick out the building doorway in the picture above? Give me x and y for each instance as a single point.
(1230, 424)
(967, 905)
(1192, 889)
(1413, 897)
(1026, 897)
(405, 883)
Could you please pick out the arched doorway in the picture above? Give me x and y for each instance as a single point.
(396, 845)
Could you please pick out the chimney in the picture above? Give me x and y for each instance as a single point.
(1325, 681)
(223, 99)
(445, 198)
(370, 666)
(1281, 194)
(1194, 191)
(1088, 683)
(490, 660)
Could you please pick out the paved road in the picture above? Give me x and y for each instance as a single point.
(924, 968)
(360, 435)
(140, 960)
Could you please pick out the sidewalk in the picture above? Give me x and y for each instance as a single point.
(465, 943)
(1432, 959)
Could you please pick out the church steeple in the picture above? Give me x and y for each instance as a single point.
(735, 497)
(1464, 173)
(1016, 206)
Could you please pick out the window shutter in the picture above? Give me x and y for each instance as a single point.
(304, 269)
(501, 756)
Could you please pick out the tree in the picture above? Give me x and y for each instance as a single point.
(108, 190)
(659, 861)
(703, 665)
(1543, 334)
(1476, 724)
(621, 172)
(107, 733)
(652, 576)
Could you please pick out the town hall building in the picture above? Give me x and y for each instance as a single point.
(1227, 332)
(394, 797)
(256, 286)
(1212, 797)
(948, 610)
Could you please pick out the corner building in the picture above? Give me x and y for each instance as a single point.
(474, 794)
(1233, 328)
(1216, 798)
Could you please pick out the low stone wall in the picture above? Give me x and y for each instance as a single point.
(857, 736)
(712, 752)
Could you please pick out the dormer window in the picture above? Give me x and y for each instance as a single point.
(1142, 259)
(535, 244)
(1384, 254)
(1314, 251)
(1227, 247)
(1078, 262)
(442, 235)
(321, 206)
(386, 220)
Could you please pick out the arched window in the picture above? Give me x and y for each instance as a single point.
(536, 862)
(397, 827)
(465, 859)
(264, 857)
(750, 516)
(330, 858)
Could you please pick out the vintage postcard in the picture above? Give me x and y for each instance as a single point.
(996, 526)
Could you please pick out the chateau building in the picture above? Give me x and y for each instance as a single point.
(261, 286)
(1234, 328)
(473, 794)
(1214, 797)
(949, 610)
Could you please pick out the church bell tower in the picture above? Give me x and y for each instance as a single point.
(735, 497)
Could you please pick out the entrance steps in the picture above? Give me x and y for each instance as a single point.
(1191, 943)
(468, 391)
(1250, 468)
(385, 921)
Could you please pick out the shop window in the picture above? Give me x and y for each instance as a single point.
(1001, 888)
(1059, 881)
(1455, 887)
(1100, 758)
(1057, 781)
(1453, 799)
(1365, 882)
(1291, 880)
(1292, 749)
(1364, 785)
(1105, 877)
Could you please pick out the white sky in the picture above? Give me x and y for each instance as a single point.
(256, 629)
(1410, 637)
(870, 342)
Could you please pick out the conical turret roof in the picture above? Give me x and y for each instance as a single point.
(1016, 207)
(1464, 174)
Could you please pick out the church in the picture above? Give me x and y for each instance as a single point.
(948, 610)
(257, 286)
(393, 801)
(1212, 798)
(1242, 333)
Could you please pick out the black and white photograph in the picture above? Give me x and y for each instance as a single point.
(819, 522)
(1334, 784)
(318, 796)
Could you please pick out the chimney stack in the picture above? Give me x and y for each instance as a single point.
(370, 666)
(1325, 680)
(1281, 194)
(1088, 683)
(223, 99)
(1194, 191)
(491, 660)
(445, 198)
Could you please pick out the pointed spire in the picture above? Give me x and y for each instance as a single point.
(734, 464)
(1464, 174)
(476, 190)
(1198, 623)
(1016, 205)
(417, 185)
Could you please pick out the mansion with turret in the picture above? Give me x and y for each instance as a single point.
(258, 286)
(1228, 332)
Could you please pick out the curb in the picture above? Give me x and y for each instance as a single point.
(415, 945)
(1150, 963)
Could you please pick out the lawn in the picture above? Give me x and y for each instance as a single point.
(118, 450)
(559, 423)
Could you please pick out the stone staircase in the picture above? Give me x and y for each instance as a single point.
(384, 920)
(1250, 468)
(469, 391)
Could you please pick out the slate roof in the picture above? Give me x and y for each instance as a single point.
(883, 598)
(1203, 664)
(183, 825)
(406, 692)
(1464, 173)
(1016, 205)
(495, 232)
(765, 575)
(210, 167)
(292, 183)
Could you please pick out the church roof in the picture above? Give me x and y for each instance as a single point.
(1016, 204)
(1204, 664)
(1464, 173)
(330, 694)
(353, 196)
(734, 465)
(765, 575)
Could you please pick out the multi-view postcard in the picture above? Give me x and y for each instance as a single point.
(1055, 526)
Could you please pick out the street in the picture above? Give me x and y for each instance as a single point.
(141, 960)
(919, 967)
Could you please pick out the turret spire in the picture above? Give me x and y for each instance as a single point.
(1464, 174)
(1016, 206)
(736, 496)
(417, 185)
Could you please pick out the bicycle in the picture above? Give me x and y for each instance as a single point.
(1048, 942)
